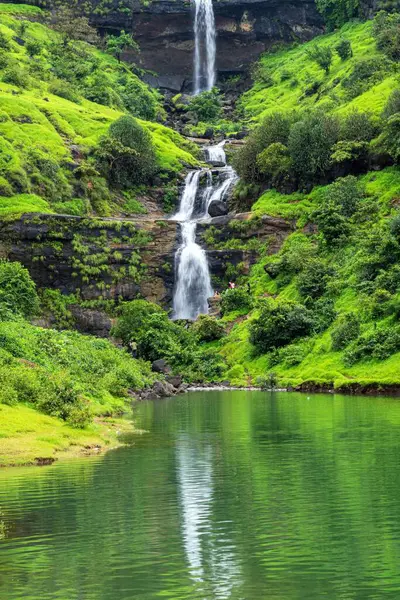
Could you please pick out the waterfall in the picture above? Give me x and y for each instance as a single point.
(205, 46)
(193, 284)
(216, 154)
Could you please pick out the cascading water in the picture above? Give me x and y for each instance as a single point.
(205, 46)
(193, 284)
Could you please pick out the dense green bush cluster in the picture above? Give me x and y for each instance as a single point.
(146, 329)
(279, 324)
(126, 155)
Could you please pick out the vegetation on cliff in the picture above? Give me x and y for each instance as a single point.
(58, 98)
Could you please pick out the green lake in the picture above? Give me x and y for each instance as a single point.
(230, 495)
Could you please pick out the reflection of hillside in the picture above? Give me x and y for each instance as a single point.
(232, 495)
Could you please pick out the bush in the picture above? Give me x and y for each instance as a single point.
(337, 12)
(236, 299)
(279, 324)
(358, 127)
(344, 49)
(16, 76)
(206, 106)
(33, 48)
(17, 290)
(274, 162)
(310, 144)
(63, 90)
(389, 141)
(378, 345)
(208, 329)
(346, 329)
(393, 104)
(139, 100)
(4, 42)
(364, 73)
(126, 156)
(312, 280)
(386, 30)
(274, 129)
(322, 55)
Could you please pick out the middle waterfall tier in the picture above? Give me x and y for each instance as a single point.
(204, 193)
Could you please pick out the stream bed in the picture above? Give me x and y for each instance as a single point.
(230, 495)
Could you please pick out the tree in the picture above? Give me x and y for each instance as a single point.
(310, 144)
(73, 26)
(17, 289)
(337, 12)
(126, 155)
(344, 49)
(117, 44)
(279, 324)
(206, 106)
(322, 55)
(387, 33)
(274, 162)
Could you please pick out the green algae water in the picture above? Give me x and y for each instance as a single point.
(230, 495)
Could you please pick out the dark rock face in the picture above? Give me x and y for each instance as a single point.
(246, 28)
(217, 208)
(161, 366)
(99, 258)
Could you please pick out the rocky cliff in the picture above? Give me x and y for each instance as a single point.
(164, 31)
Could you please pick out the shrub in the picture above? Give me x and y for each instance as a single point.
(345, 194)
(208, 329)
(206, 106)
(346, 329)
(358, 127)
(274, 161)
(17, 76)
(393, 104)
(310, 144)
(139, 100)
(279, 324)
(386, 30)
(126, 156)
(322, 55)
(4, 41)
(344, 49)
(63, 90)
(312, 280)
(236, 299)
(379, 345)
(389, 141)
(33, 48)
(363, 74)
(17, 290)
(337, 12)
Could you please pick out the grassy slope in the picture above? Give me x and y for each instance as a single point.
(321, 364)
(28, 437)
(56, 123)
(296, 66)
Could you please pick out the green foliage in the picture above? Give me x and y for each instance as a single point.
(66, 375)
(322, 55)
(378, 344)
(126, 156)
(337, 12)
(387, 33)
(17, 290)
(393, 104)
(310, 144)
(344, 49)
(274, 162)
(279, 324)
(117, 44)
(206, 106)
(313, 279)
(346, 329)
(208, 329)
(63, 90)
(390, 139)
(237, 299)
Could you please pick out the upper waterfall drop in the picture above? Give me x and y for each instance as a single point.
(205, 46)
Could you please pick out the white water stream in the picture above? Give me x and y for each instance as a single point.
(205, 46)
(192, 276)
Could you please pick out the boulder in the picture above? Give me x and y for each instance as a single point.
(218, 208)
(161, 366)
(175, 381)
(163, 389)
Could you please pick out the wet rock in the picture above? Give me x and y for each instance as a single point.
(217, 208)
(175, 380)
(163, 389)
(161, 366)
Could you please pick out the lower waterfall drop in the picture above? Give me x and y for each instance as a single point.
(192, 276)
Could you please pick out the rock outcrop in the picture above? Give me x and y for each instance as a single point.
(246, 28)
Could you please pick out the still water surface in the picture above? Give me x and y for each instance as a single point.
(231, 495)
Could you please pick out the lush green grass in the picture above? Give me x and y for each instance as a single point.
(28, 437)
(32, 118)
(293, 71)
(15, 206)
